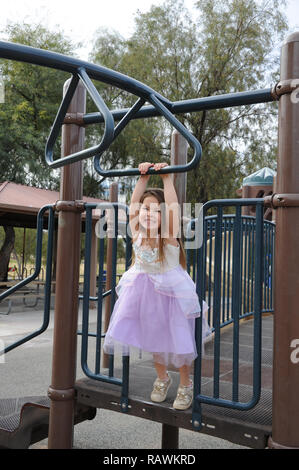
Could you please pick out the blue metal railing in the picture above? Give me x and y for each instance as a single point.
(96, 374)
(233, 256)
(233, 273)
(247, 246)
(35, 274)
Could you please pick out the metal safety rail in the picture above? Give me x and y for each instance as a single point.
(248, 227)
(232, 270)
(239, 245)
(38, 260)
(98, 335)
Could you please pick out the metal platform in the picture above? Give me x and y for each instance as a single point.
(249, 428)
(24, 421)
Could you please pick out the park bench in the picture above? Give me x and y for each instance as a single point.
(31, 292)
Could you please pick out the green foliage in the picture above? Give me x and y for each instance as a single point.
(228, 48)
(231, 46)
(32, 96)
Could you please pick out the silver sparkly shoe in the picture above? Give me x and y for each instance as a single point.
(160, 389)
(184, 397)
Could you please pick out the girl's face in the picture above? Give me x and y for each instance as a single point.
(150, 215)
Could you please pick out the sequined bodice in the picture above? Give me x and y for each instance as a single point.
(149, 255)
(146, 257)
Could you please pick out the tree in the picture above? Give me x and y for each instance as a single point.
(32, 97)
(141, 139)
(229, 48)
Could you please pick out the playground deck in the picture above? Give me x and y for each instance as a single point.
(249, 428)
(22, 423)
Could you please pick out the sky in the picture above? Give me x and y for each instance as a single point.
(80, 20)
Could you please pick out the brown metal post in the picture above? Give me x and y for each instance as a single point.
(113, 197)
(170, 437)
(93, 265)
(286, 293)
(179, 148)
(61, 391)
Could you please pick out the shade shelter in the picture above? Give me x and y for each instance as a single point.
(20, 204)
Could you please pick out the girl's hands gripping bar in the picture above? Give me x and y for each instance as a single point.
(143, 167)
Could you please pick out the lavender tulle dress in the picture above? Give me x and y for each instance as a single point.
(156, 309)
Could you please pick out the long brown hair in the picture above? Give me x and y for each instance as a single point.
(158, 193)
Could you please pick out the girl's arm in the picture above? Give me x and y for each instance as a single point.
(172, 207)
(136, 196)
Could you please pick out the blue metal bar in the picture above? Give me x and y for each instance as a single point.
(59, 119)
(85, 314)
(248, 232)
(272, 263)
(100, 302)
(258, 284)
(210, 261)
(38, 257)
(194, 105)
(164, 111)
(180, 128)
(252, 263)
(86, 72)
(108, 131)
(217, 298)
(268, 264)
(200, 275)
(113, 280)
(228, 269)
(224, 271)
(236, 300)
(86, 292)
(124, 382)
(126, 359)
(121, 125)
(241, 263)
(44, 58)
(257, 254)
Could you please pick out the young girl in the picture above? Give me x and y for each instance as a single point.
(157, 301)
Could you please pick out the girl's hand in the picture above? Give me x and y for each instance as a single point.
(158, 166)
(143, 167)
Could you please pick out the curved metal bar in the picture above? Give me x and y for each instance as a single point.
(121, 125)
(85, 72)
(164, 111)
(58, 61)
(107, 116)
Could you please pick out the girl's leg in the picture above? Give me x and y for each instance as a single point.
(184, 396)
(160, 369)
(184, 375)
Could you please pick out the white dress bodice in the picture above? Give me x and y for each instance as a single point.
(146, 257)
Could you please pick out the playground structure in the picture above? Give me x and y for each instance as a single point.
(252, 417)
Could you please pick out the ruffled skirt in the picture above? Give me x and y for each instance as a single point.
(156, 313)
